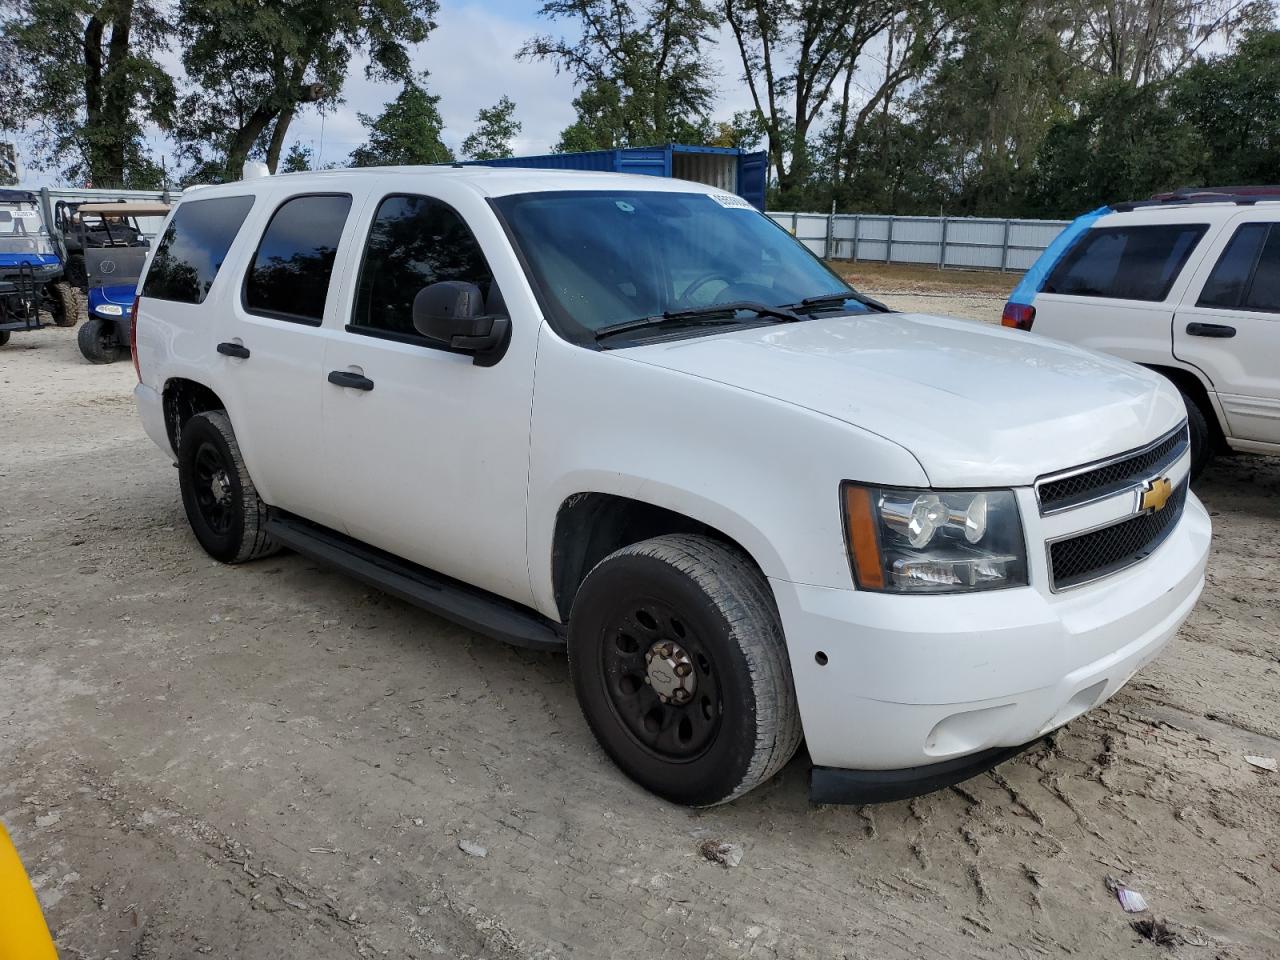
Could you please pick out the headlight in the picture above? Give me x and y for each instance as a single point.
(109, 310)
(933, 541)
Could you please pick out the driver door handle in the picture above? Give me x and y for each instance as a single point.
(345, 378)
(236, 350)
(1218, 330)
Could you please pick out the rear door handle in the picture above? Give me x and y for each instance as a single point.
(234, 350)
(345, 378)
(1218, 330)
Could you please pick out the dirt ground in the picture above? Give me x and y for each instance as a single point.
(273, 761)
(972, 294)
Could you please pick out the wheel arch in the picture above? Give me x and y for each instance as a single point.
(183, 399)
(1190, 383)
(590, 525)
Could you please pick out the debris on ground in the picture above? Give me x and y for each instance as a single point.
(1262, 763)
(1157, 931)
(725, 854)
(1131, 900)
(472, 849)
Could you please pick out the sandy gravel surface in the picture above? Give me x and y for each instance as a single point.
(273, 761)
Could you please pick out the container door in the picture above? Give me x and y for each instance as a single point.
(752, 174)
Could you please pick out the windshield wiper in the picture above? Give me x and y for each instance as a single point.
(717, 313)
(835, 299)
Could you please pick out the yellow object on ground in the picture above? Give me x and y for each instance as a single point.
(23, 932)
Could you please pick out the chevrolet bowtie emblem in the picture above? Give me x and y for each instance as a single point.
(1155, 495)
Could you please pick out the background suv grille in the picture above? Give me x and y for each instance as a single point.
(1110, 477)
(1099, 553)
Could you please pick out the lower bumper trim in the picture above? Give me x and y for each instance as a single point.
(836, 785)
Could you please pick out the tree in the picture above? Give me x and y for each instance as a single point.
(1140, 41)
(1234, 101)
(90, 83)
(496, 127)
(254, 65)
(406, 132)
(641, 70)
(299, 159)
(1126, 144)
(793, 54)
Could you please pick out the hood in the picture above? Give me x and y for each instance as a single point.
(976, 404)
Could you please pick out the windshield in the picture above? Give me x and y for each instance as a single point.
(21, 230)
(606, 257)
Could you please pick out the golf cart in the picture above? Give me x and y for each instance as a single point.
(112, 251)
(30, 269)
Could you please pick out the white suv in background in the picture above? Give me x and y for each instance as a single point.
(1186, 284)
(633, 419)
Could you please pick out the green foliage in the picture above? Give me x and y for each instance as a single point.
(406, 132)
(299, 159)
(1126, 144)
(1234, 101)
(86, 77)
(254, 65)
(641, 69)
(496, 127)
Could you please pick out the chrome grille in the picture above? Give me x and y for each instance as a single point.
(1106, 478)
(1090, 556)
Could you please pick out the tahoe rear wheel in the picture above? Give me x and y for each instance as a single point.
(680, 667)
(223, 507)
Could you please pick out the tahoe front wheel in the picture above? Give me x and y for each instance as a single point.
(680, 666)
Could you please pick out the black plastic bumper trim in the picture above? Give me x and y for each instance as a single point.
(837, 785)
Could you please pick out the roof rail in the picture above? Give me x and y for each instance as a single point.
(1242, 195)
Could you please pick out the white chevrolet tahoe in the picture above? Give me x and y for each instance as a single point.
(1187, 284)
(634, 419)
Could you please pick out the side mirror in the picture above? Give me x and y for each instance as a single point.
(452, 312)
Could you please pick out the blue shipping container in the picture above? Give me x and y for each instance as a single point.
(728, 168)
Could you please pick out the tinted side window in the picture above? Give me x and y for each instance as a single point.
(290, 274)
(1128, 263)
(413, 242)
(193, 247)
(1264, 292)
(1226, 285)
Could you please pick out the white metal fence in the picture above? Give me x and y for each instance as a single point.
(970, 243)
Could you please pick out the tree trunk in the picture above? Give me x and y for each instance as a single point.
(244, 139)
(278, 133)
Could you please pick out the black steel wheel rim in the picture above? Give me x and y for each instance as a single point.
(673, 731)
(212, 488)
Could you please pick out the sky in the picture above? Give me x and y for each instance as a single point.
(471, 60)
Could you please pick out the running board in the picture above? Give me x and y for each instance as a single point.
(451, 599)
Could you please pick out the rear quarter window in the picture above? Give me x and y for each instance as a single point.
(195, 243)
(1126, 263)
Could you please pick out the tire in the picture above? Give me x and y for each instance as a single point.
(99, 342)
(76, 273)
(4, 337)
(226, 514)
(694, 604)
(1203, 439)
(64, 305)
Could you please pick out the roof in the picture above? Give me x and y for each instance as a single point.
(488, 181)
(1241, 195)
(136, 208)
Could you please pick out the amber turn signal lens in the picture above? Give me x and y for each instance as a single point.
(864, 545)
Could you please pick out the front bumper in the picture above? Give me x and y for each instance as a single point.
(908, 683)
